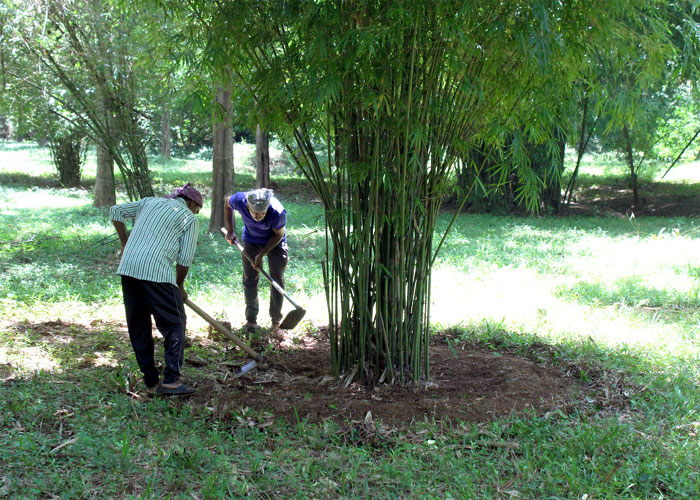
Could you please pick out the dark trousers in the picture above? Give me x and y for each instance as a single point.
(277, 262)
(163, 301)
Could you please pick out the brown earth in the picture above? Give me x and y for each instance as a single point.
(469, 382)
(657, 199)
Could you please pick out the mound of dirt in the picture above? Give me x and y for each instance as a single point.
(467, 384)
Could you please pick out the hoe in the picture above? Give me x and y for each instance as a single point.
(256, 358)
(294, 316)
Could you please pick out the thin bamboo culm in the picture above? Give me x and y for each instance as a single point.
(386, 173)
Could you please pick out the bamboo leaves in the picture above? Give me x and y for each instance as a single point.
(400, 92)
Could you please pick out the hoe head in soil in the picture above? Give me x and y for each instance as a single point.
(292, 319)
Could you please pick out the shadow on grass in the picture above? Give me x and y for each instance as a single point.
(97, 354)
(20, 180)
(629, 291)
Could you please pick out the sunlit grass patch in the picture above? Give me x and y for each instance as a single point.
(27, 359)
(14, 200)
(25, 157)
(634, 292)
(523, 300)
(618, 296)
(622, 283)
(681, 173)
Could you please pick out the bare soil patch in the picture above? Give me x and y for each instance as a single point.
(469, 382)
(657, 199)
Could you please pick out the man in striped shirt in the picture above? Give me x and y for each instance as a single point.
(164, 233)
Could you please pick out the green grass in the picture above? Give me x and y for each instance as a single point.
(607, 169)
(620, 296)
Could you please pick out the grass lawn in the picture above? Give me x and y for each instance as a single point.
(618, 295)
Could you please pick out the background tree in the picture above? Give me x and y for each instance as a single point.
(262, 157)
(635, 141)
(204, 108)
(626, 94)
(75, 41)
(68, 149)
(222, 173)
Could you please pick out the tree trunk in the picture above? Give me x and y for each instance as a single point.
(552, 191)
(581, 149)
(630, 162)
(222, 172)
(5, 128)
(138, 175)
(165, 134)
(262, 158)
(105, 193)
(67, 154)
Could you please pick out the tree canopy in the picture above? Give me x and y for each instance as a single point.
(378, 102)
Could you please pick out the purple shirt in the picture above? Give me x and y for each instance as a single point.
(259, 232)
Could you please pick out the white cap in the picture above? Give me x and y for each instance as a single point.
(259, 199)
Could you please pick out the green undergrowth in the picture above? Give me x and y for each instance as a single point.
(77, 432)
(614, 300)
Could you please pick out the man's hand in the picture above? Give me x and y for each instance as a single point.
(183, 293)
(231, 237)
(259, 260)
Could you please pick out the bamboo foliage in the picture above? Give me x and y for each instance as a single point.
(394, 116)
(397, 92)
(83, 47)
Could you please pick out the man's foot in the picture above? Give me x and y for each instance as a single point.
(151, 391)
(174, 389)
(251, 327)
(275, 332)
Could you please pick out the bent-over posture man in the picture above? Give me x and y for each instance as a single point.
(164, 233)
(264, 221)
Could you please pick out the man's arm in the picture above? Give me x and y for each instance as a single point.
(229, 221)
(277, 236)
(121, 232)
(180, 275)
(120, 212)
(188, 244)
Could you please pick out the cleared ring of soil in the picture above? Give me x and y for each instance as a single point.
(468, 383)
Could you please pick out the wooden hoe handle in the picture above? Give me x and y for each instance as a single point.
(224, 331)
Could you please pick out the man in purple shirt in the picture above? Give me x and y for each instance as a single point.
(264, 220)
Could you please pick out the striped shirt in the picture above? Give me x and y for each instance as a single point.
(164, 233)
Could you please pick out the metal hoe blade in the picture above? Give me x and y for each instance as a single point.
(292, 319)
(246, 368)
